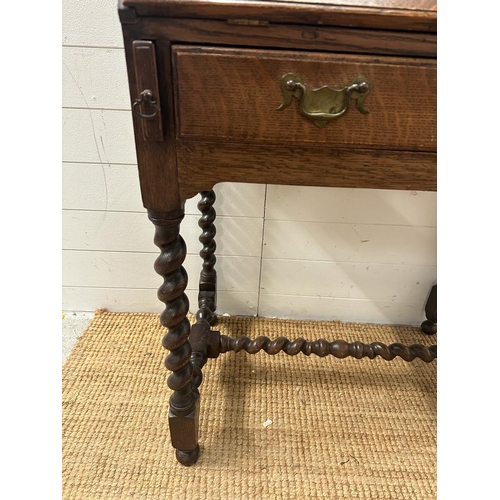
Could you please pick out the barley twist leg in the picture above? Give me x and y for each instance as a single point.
(184, 402)
(207, 298)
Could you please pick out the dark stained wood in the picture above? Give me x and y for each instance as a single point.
(403, 17)
(308, 166)
(198, 339)
(233, 94)
(405, 5)
(219, 123)
(294, 36)
(321, 347)
(156, 160)
(207, 297)
(205, 344)
(146, 75)
(381, 4)
(429, 326)
(127, 15)
(184, 405)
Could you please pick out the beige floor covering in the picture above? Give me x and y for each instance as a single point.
(340, 429)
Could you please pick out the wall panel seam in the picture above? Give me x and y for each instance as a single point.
(104, 47)
(144, 252)
(359, 299)
(76, 162)
(361, 262)
(128, 110)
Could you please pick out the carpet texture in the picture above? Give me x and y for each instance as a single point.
(341, 428)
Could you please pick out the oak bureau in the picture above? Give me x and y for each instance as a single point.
(304, 92)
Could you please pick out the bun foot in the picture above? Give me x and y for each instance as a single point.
(428, 327)
(188, 457)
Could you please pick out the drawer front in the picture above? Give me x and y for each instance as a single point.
(234, 95)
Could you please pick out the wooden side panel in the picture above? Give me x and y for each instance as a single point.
(233, 95)
(146, 75)
(156, 159)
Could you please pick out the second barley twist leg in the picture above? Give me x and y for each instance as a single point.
(207, 298)
(184, 402)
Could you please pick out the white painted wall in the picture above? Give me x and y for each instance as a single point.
(319, 253)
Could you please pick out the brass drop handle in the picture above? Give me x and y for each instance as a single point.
(147, 97)
(325, 103)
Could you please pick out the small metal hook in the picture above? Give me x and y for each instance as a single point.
(147, 97)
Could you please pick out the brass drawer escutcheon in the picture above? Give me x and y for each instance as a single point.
(326, 103)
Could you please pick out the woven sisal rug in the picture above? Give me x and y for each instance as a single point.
(341, 429)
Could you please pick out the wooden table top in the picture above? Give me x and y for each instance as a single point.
(413, 15)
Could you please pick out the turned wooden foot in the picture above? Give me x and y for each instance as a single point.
(188, 457)
(429, 326)
(207, 297)
(184, 402)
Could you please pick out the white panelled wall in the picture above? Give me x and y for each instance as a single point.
(282, 251)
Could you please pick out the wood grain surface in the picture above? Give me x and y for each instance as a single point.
(346, 4)
(146, 74)
(380, 4)
(233, 94)
(156, 159)
(413, 15)
(289, 36)
(203, 164)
